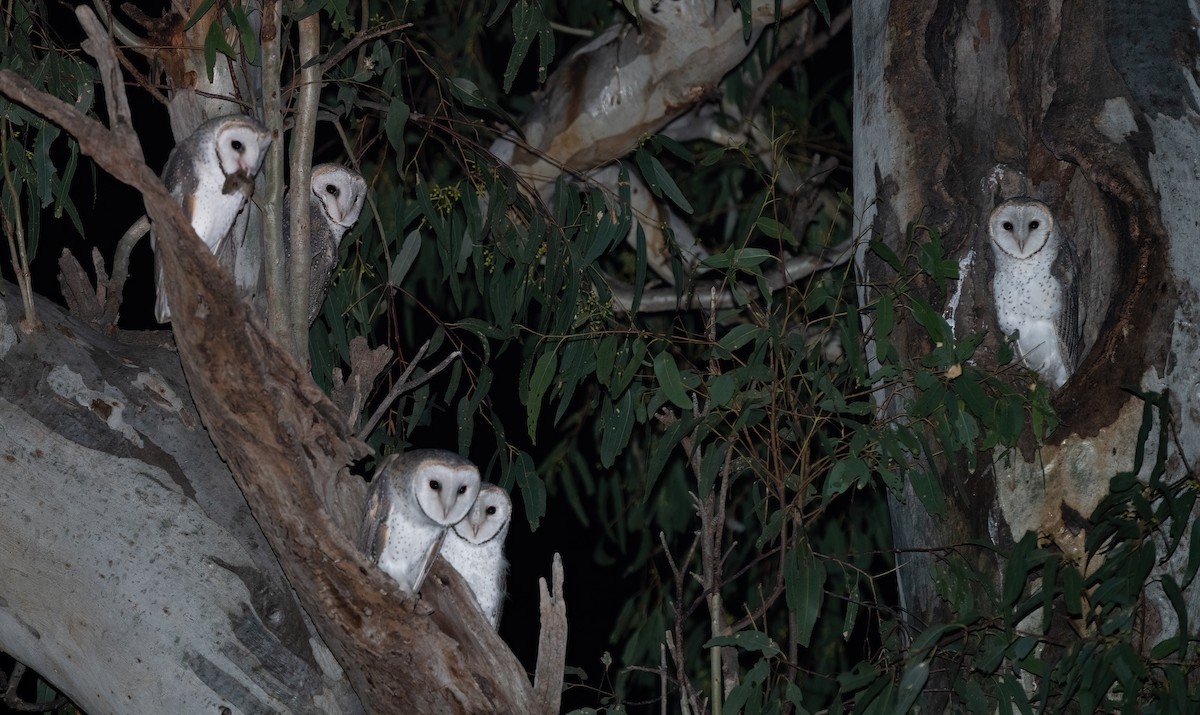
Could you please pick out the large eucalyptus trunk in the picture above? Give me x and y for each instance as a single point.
(1091, 107)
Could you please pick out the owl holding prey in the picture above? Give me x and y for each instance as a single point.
(210, 174)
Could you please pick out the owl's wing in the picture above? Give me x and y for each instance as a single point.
(427, 563)
(502, 582)
(180, 181)
(373, 533)
(324, 254)
(1070, 327)
(373, 530)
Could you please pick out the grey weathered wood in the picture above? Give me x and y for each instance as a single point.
(136, 579)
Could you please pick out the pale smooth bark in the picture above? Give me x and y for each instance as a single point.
(123, 534)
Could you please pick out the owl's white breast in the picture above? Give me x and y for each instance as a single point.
(1026, 290)
(408, 542)
(482, 567)
(213, 217)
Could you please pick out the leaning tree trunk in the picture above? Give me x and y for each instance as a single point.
(1091, 107)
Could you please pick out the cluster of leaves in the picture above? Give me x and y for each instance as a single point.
(39, 162)
(1067, 634)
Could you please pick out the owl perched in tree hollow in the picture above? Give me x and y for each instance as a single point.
(335, 201)
(1030, 298)
(475, 548)
(210, 174)
(414, 498)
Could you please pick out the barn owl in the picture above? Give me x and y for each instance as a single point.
(413, 500)
(475, 548)
(210, 174)
(1030, 298)
(335, 201)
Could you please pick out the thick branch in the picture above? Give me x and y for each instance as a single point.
(302, 149)
(793, 269)
(272, 233)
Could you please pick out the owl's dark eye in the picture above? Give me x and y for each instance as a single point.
(1007, 225)
(331, 189)
(1033, 225)
(491, 510)
(462, 489)
(237, 146)
(435, 485)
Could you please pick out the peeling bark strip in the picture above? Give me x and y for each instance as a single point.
(286, 445)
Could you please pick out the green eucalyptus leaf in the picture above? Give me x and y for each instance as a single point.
(669, 380)
(751, 641)
(404, 258)
(539, 381)
(533, 490)
(804, 581)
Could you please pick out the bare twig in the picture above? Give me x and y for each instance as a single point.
(663, 676)
(333, 60)
(552, 643)
(404, 385)
(802, 49)
(120, 271)
(686, 694)
(14, 231)
(568, 30)
(690, 702)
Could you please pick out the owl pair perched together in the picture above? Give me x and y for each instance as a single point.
(1033, 287)
(428, 501)
(211, 174)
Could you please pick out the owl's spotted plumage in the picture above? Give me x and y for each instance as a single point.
(1029, 297)
(475, 548)
(210, 174)
(335, 202)
(413, 500)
